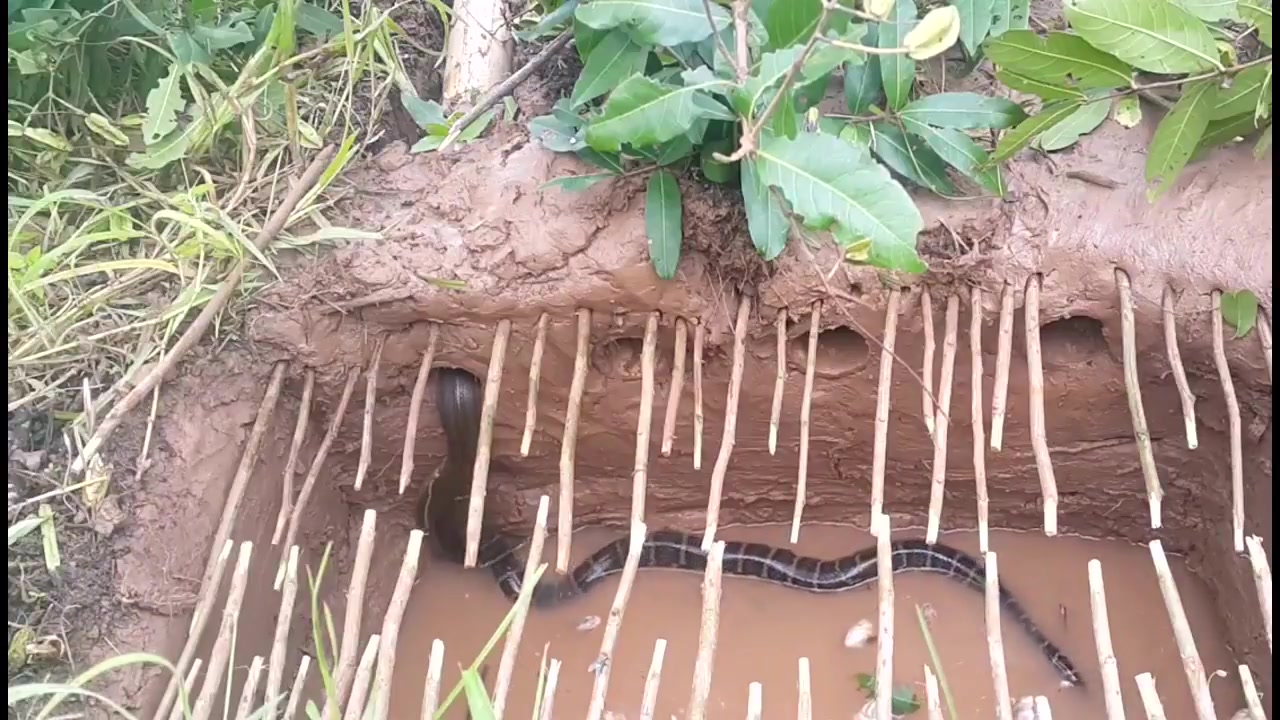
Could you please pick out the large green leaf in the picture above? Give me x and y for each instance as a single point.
(164, 102)
(1179, 133)
(862, 87)
(1081, 122)
(964, 111)
(1153, 35)
(772, 68)
(1009, 15)
(659, 22)
(897, 72)
(615, 58)
(1226, 130)
(960, 152)
(826, 179)
(827, 57)
(642, 112)
(1248, 88)
(1211, 10)
(1258, 14)
(662, 223)
(791, 22)
(1039, 88)
(975, 22)
(765, 218)
(911, 158)
(1060, 59)
(1240, 310)
(1021, 136)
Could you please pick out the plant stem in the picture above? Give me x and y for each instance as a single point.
(937, 664)
(864, 48)
(1145, 89)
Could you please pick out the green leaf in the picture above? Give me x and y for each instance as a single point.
(772, 68)
(904, 701)
(1211, 10)
(1128, 111)
(1009, 15)
(1081, 122)
(827, 57)
(662, 223)
(615, 58)
(791, 22)
(477, 126)
(766, 220)
(605, 161)
(642, 112)
(975, 22)
(548, 23)
(104, 128)
(862, 88)
(786, 119)
(671, 151)
(1264, 143)
(911, 158)
(1258, 14)
(714, 170)
(657, 22)
(23, 527)
(960, 152)
(1060, 59)
(1021, 136)
(577, 183)
(317, 20)
(964, 111)
(1179, 133)
(897, 72)
(1240, 310)
(478, 705)
(424, 112)
(557, 133)
(857, 134)
(1153, 35)
(1041, 89)
(163, 104)
(1248, 88)
(826, 179)
(171, 148)
(1226, 130)
(222, 37)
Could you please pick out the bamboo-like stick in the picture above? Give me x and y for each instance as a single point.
(1264, 338)
(1004, 355)
(1150, 698)
(779, 379)
(188, 684)
(484, 446)
(1252, 700)
(569, 443)
(295, 693)
(355, 708)
(699, 342)
(535, 379)
(1102, 642)
(1133, 389)
(515, 632)
(806, 407)
(1042, 708)
(431, 689)
(804, 709)
(222, 645)
(1261, 579)
(385, 669)
(1039, 440)
(883, 389)
(707, 633)
(284, 620)
(729, 435)
(677, 386)
(652, 679)
(304, 495)
(933, 701)
(1233, 426)
(370, 400)
(995, 640)
(644, 425)
(349, 642)
(549, 690)
(755, 701)
(926, 367)
(250, 689)
(942, 423)
(1191, 663)
(415, 407)
(884, 639)
(1175, 364)
(604, 663)
(976, 419)
(295, 448)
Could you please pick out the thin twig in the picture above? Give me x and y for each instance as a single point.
(806, 407)
(1035, 375)
(644, 423)
(730, 423)
(1252, 700)
(349, 641)
(677, 386)
(370, 399)
(391, 621)
(295, 449)
(431, 689)
(995, 640)
(708, 630)
(356, 707)
(535, 379)
(1175, 364)
(1191, 664)
(883, 389)
(415, 407)
(226, 631)
(1233, 425)
(484, 446)
(1261, 579)
(699, 341)
(295, 693)
(1102, 643)
(1150, 698)
(804, 687)
(976, 420)
(1004, 355)
(884, 639)
(652, 679)
(1133, 389)
(926, 366)
(515, 632)
(780, 378)
(284, 620)
(942, 424)
(250, 689)
(604, 661)
(569, 443)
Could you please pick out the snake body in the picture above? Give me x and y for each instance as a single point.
(445, 511)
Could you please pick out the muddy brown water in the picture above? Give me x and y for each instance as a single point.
(765, 629)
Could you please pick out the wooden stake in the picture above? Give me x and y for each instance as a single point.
(511, 647)
(284, 620)
(729, 436)
(806, 406)
(1039, 440)
(699, 341)
(1264, 338)
(415, 407)
(188, 684)
(1191, 664)
(349, 643)
(1261, 579)
(755, 701)
(1133, 388)
(391, 626)
(883, 389)
(932, 699)
(926, 367)
(370, 400)
(1150, 698)
(604, 662)
(640, 477)
(942, 424)
(707, 632)
(1175, 364)
(779, 379)
(1252, 700)
(549, 690)
(1004, 355)
(1233, 424)
(295, 448)
(804, 710)
(569, 443)
(335, 424)
(356, 707)
(1042, 708)
(214, 674)
(652, 679)
(995, 640)
(976, 419)
(295, 693)
(884, 639)
(431, 690)
(535, 379)
(1102, 642)
(488, 413)
(677, 386)
(250, 689)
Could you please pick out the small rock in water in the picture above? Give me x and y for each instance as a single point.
(860, 634)
(589, 623)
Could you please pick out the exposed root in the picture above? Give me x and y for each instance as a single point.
(484, 446)
(569, 443)
(535, 379)
(1175, 364)
(806, 406)
(1133, 389)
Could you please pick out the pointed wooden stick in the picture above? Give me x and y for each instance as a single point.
(391, 621)
(699, 341)
(511, 647)
(1133, 389)
(729, 435)
(1252, 700)
(644, 425)
(976, 419)
(707, 632)
(250, 689)
(883, 389)
(214, 673)
(415, 407)
(295, 448)
(804, 709)
(884, 639)
(1150, 698)
(779, 379)
(1039, 440)
(677, 386)
(355, 708)
(995, 640)
(549, 690)
(604, 662)
(926, 367)
(569, 443)
(284, 620)
(1102, 643)
(484, 447)
(755, 701)
(535, 379)
(942, 423)
(1191, 664)
(431, 689)
(932, 700)
(370, 400)
(652, 679)
(1043, 712)
(295, 693)
(1264, 338)
(1261, 579)
(806, 407)
(349, 642)
(1175, 364)
(188, 684)
(1233, 425)
(1004, 355)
